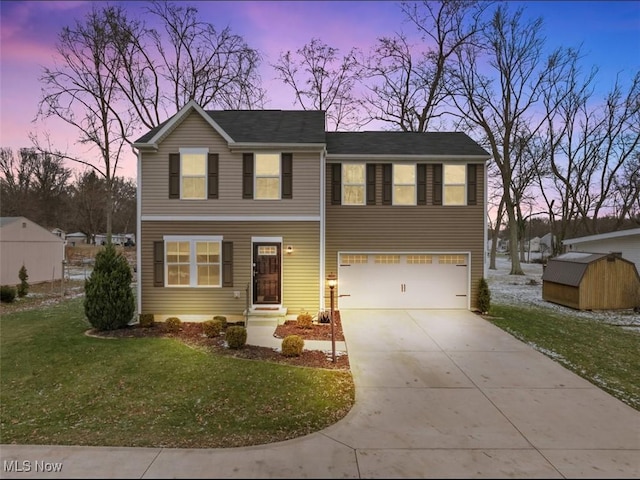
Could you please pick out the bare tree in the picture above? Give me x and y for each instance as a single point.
(82, 92)
(34, 186)
(593, 155)
(409, 81)
(500, 101)
(322, 80)
(88, 195)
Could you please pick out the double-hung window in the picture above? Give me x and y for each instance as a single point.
(455, 178)
(193, 173)
(267, 176)
(353, 183)
(193, 261)
(404, 184)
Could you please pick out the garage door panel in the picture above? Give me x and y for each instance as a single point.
(407, 284)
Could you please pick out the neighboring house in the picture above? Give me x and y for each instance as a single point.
(624, 242)
(591, 281)
(58, 232)
(255, 208)
(23, 242)
(533, 245)
(116, 238)
(76, 238)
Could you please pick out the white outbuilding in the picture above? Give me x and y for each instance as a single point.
(23, 242)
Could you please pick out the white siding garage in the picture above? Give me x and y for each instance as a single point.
(403, 280)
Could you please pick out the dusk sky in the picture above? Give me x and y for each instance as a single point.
(609, 32)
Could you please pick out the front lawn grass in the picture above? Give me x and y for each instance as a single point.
(61, 387)
(608, 356)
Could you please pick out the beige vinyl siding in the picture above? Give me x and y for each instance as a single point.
(195, 132)
(300, 270)
(391, 228)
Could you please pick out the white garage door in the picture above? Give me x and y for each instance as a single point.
(376, 280)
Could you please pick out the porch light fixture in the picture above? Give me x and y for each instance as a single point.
(332, 282)
(289, 249)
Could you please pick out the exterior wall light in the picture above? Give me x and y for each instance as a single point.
(289, 249)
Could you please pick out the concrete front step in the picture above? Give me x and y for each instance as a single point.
(266, 316)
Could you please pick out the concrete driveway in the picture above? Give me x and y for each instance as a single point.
(439, 394)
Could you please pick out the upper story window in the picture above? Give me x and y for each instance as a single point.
(353, 183)
(267, 176)
(404, 184)
(193, 175)
(455, 177)
(193, 262)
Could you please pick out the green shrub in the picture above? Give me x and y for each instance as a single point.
(23, 287)
(484, 296)
(305, 320)
(236, 336)
(173, 324)
(7, 293)
(109, 303)
(292, 345)
(146, 320)
(223, 321)
(212, 328)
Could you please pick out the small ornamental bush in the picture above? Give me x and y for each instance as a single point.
(305, 320)
(223, 321)
(292, 346)
(236, 336)
(173, 324)
(146, 320)
(212, 328)
(109, 303)
(23, 287)
(484, 296)
(7, 293)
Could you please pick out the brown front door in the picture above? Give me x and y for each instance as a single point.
(266, 273)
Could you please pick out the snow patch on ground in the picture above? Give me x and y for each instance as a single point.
(527, 290)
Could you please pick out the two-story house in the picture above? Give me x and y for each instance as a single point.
(253, 208)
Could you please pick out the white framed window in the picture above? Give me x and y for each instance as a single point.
(193, 173)
(267, 176)
(193, 261)
(454, 184)
(353, 183)
(404, 184)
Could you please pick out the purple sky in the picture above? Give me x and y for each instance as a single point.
(609, 32)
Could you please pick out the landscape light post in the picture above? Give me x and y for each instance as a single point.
(332, 282)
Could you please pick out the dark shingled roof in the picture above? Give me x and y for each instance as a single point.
(403, 143)
(569, 268)
(271, 126)
(264, 126)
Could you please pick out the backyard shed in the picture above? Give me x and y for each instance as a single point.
(23, 242)
(591, 281)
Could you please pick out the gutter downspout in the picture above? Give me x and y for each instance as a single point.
(323, 179)
(138, 230)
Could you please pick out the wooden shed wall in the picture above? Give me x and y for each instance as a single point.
(609, 284)
(566, 295)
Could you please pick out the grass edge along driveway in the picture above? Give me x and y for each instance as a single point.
(61, 387)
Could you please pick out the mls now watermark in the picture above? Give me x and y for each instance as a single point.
(17, 466)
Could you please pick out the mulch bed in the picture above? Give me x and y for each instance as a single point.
(191, 333)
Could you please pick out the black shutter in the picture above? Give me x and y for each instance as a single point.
(371, 184)
(387, 184)
(422, 183)
(212, 176)
(158, 264)
(437, 184)
(287, 175)
(174, 175)
(472, 184)
(247, 175)
(336, 184)
(227, 264)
